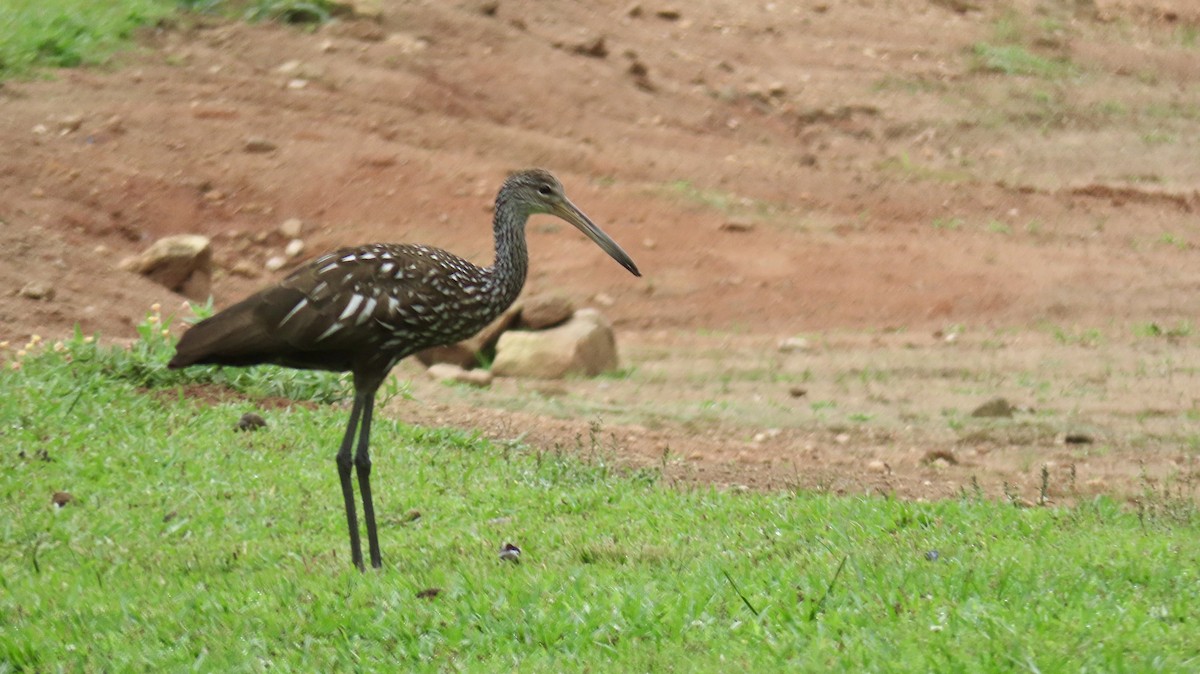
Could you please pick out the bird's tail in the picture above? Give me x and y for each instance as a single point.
(234, 336)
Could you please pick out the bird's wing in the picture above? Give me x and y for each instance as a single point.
(396, 294)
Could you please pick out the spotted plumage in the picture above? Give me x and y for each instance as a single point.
(363, 309)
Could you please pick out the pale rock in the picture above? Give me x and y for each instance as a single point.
(878, 466)
(453, 373)
(545, 311)
(182, 263)
(244, 269)
(792, 344)
(257, 145)
(996, 407)
(364, 9)
(275, 263)
(584, 345)
(293, 248)
(291, 228)
(36, 290)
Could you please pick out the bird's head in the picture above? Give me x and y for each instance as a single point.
(538, 191)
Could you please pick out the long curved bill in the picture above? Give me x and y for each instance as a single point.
(571, 213)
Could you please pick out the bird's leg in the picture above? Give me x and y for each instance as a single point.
(362, 462)
(343, 464)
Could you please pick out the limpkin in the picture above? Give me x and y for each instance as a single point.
(363, 309)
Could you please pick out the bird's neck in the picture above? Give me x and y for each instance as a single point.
(512, 256)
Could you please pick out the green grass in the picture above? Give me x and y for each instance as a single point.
(39, 34)
(66, 33)
(188, 545)
(1014, 59)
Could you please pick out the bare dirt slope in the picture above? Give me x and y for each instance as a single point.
(1021, 179)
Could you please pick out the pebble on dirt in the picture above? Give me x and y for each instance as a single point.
(36, 290)
(293, 248)
(793, 344)
(291, 228)
(996, 407)
(454, 373)
(257, 145)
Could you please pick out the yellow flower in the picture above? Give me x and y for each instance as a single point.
(89, 339)
(34, 339)
(166, 332)
(156, 307)
(21, 353)
(4, 344)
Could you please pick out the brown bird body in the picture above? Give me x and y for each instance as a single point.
(364, 309)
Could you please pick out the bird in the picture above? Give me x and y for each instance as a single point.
(362, 309)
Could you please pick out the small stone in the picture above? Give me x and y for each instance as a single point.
(288, 67)
(114, 125)
(510, 553)
(61, 498)
(932, 555)
(362, 9)
(650, 244)
(545, 311)
(594, 48)
(454, 373)
(407, 43)
(936, 455)
(668, 14)
(634, 11)
(583, 345)
(36, 290)
(797, 391)
(740, 226)
(327, 46)
(250, 422)
(40, 129)
(841, 438)
(293, 248)
(245, 269)
(297, 84)
(70, 123)
(878, 466)
(275, 263)
(996, 407)
(182, 263)
(793, 344)
(291, 228)
(604, 299)
(769, 434)
(257, 145)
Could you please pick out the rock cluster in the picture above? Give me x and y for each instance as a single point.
(182, 263)
(544, 337)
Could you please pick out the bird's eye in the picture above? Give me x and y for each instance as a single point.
(545, 190)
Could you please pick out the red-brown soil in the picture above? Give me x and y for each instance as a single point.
(942, 232)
